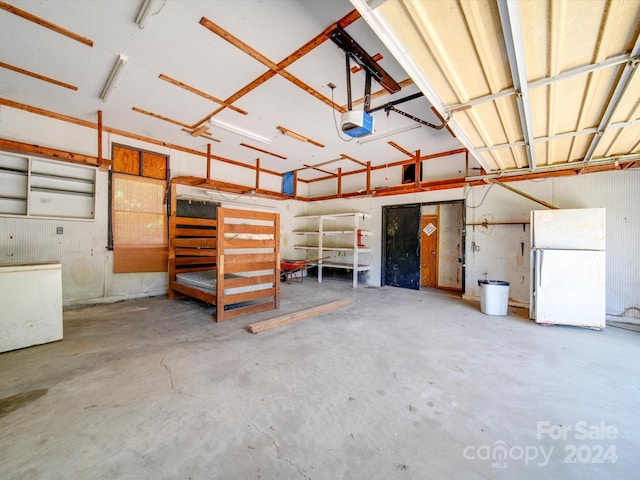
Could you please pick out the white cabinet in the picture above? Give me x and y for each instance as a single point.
(336, 241)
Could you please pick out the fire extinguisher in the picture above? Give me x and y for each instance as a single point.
(360, 244)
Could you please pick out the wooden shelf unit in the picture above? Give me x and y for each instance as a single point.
(336, 234)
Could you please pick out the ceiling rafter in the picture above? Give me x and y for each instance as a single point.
(38, 76)
(161, 117)
(206, 95)
(298, 136)
(270, 64)
(246, 145)
(626, 77)
(45, 23)
(319, 39)
(542, 82)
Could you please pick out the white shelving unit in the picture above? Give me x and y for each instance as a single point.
(335, 236)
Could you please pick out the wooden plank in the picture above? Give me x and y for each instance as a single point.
(160, 117)
(250, 258)
(195, 252)
(246, 310)
(154, 165)
(44, 78)
(195, 221)
(235, 282)
(194, 232)
(299, 315)
(240, 243)
(195, 242)
(248, 228)
(262, 150)
(191, 89)
(248, 214)
(189, 269)
(45, 23)
(19, 147)
(193, 292)
(126, 160)
(248, 296)
(128, 259)
(248, 267)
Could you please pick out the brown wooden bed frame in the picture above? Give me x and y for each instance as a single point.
(241, 248)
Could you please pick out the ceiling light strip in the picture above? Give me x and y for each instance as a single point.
(144, 13)
(240, 131)
(511, 26)
(45, 23)
(38, 76)
(113, 77)
(626, 78)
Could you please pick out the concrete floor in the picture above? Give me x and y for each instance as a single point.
(400, 385)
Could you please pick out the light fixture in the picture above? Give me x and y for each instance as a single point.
(113, 77)
(389, 133)
(144, 13)
(240, 131)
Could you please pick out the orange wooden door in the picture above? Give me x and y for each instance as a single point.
(429, 249)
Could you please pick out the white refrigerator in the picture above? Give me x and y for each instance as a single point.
(568, 267)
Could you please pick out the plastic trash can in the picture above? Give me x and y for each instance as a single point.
(494, 297)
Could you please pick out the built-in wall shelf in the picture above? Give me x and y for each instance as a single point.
(335, 241)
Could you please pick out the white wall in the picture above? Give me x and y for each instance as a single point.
(500, 246)
(87, 264)
(498, 250)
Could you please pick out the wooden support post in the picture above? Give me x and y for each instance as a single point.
(295, 184)
(339, 182)
(99, 137)
(418, 178)
(369, 177)
(208, 161)
(257, 174)
(299, 315)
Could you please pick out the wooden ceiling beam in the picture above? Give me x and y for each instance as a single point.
(38, 76)
(45, 23)
(400, 149)
(298, 136)
(319, 39)
(246, 145)
(347, 157)
(161, 117)
(270, 64)
(191, 89)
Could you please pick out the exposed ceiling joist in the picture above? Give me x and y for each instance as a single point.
(628, 73)
(45, 23)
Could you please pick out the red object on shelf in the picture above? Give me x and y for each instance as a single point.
(360, 244)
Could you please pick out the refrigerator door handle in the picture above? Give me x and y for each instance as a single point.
(539, 260)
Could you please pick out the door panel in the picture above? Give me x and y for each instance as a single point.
(429, 247)
(401, 243)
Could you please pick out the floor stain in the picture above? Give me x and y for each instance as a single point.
(19, 400)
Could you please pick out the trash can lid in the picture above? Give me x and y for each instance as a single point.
(492, 282)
